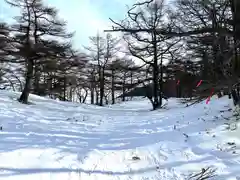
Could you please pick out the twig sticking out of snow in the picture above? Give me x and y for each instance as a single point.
(206, 173)
(185, 135)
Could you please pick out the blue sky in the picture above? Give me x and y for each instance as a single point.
(85, 17)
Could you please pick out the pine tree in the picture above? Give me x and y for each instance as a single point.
(37, 36)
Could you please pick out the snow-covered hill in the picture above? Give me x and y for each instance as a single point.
(51, 140)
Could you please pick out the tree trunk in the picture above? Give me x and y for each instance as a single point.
(79, 94)
(161, 83)
(113, 88)
(101, 89)
(36, 80)
(64, 88)
(97, 96)
(27, 88)
(71, 94)
(234, 6)
(85, 97)
(123, 87)
(155, 75)
(215, 49)
(92, 88)
(92, 95)
(206, 69)
(131, 75)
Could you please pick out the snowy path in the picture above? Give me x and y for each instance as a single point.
(52, 140)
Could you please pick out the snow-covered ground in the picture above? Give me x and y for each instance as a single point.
(52, 140)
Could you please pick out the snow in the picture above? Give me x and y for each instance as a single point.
(54, 140)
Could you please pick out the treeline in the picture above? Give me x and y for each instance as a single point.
(37, 57)
(183, 41)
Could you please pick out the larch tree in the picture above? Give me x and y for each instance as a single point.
(147, 44)
(37, 35)
(102, 50)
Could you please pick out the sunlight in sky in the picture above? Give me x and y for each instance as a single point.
(84, 17)
(87, 17)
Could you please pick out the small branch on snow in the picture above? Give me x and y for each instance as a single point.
(205, 173)
(185, 135)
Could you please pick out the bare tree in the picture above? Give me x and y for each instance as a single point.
(102, 52)
(148, 46)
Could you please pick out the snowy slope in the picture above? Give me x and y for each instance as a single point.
(51, 140)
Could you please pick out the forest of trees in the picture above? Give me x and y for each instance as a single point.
(183, 41)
